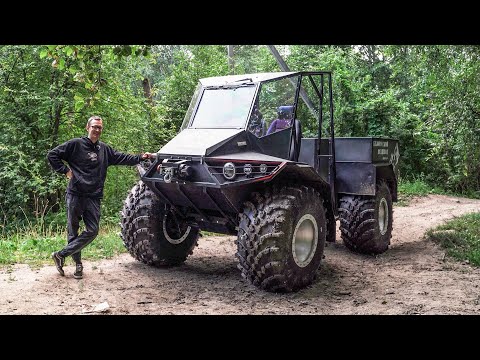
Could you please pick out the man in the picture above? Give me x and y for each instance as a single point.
(87, 159)
(284, 120)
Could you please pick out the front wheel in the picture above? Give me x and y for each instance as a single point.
(152, 233)
(281, 238)
(366, 222)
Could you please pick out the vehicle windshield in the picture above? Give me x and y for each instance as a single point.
(224, 107)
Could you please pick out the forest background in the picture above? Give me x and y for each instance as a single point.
(428, 97)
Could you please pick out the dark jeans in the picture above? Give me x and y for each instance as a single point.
(78, 208)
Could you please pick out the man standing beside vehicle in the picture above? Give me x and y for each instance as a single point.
(88, 159)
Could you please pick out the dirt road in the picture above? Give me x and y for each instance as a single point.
(412, 277)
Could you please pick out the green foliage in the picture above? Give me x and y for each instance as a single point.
(460, 237)
(251, 59)
(415, 187)
(116, 191)
(440, 87)
(33, 95)
(419, 186)
(191, 64)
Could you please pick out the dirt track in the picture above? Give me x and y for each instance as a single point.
(412, 277)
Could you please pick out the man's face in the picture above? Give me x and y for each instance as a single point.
(95, 130)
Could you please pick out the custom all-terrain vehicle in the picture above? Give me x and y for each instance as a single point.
(256, 157)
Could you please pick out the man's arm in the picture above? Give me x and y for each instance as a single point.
(273, 127)
(56, 155)
(118, 158)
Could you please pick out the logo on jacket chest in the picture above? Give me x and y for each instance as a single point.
(92, 156)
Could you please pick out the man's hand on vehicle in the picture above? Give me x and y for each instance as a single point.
(148, 155)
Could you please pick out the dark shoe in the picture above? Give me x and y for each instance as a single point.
(59, 262)
(78, 274)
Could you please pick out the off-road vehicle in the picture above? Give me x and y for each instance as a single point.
(256, 157)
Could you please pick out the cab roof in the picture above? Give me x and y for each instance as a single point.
(230, 80)
(244, 78)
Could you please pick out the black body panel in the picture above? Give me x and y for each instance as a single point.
(357, 161)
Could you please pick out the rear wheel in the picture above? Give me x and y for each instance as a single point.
(366, 221)
(152, 233)
(281, 238)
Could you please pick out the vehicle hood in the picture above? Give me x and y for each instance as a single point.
(197, 141)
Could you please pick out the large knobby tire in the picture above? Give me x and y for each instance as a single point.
(152, 233)
(281, 238)
(366, 221)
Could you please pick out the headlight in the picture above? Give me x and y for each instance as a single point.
(263, 168)
(229, 170)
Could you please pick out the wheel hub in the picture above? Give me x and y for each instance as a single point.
(175, 231)
(305, 240)
(383, 216)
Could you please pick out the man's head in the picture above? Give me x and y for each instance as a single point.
(285, 112)
(94, 128)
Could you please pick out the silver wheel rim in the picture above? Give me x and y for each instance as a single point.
(305, 240)
(383, 216)
(167, 235)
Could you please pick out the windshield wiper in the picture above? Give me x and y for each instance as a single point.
(225, 87)
(249, 79)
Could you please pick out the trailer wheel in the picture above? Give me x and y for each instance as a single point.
(281, 238)
(366, 222)
(152, 233)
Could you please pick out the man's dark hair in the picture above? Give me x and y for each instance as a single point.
(94, 117)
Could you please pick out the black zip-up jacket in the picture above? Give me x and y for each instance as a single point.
(89, 163)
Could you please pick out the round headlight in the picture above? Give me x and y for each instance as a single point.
(247, 169)
(263, 168)
(229, 171)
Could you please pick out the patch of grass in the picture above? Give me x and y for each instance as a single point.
(419, 187)
(30, 247)
(33, 243)
(408, 189)
(460, 237)
(32, 240)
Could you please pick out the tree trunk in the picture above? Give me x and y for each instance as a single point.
(231, 63)
(147, 90)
